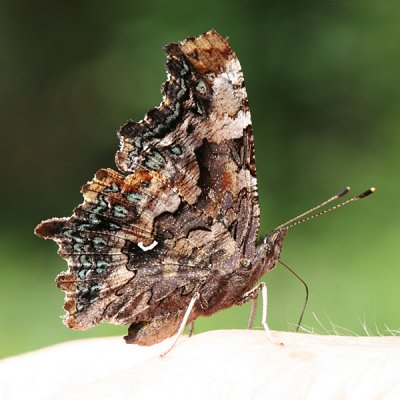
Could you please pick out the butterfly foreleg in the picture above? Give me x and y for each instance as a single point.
(183, 323)
(191, 329)
(252, 295)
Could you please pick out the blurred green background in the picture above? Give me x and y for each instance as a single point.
(323, 80)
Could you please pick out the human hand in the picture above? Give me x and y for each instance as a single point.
(229, 364)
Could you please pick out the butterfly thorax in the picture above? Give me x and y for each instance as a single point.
(223, 290)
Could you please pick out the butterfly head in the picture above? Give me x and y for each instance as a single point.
(269, 251)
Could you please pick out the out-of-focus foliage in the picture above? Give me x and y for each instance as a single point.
(324, 88)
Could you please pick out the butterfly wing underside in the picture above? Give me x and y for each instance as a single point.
(183, 210)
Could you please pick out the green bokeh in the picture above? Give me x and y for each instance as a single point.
(324, 88)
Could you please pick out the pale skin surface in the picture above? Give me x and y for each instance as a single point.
(235, 364)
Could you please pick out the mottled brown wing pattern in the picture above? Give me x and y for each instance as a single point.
(185, 216)
(200, 137)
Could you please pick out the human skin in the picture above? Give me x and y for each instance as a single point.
(225, 364)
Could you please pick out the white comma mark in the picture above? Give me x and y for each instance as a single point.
(149, 247)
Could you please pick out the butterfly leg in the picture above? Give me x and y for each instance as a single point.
(191, 329)
(252, 295)
(253, 311)
(183, 323)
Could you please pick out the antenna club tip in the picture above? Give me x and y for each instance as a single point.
(343, 192)
(367, 193)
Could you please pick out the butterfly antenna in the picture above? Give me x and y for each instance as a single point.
(306, 289)
(297, 220)
(352, 200)
(333, 198)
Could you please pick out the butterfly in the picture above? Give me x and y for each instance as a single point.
(172, 235)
